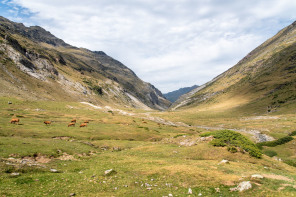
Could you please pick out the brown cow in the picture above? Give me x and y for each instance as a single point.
(47, 122)
(71, 124)
(83, 125)
(14, 120)
(86, 121)
(74, 120)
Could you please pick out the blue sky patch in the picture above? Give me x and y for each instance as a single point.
(12, 11)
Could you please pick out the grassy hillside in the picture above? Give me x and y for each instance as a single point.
(150, 159)
(261, 83)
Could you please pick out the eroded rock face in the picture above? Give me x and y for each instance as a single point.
(38, 68)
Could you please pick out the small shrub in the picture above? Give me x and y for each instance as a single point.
(179, 135)
(233, 141)
(270, 153)
(232, 149)
(277, 142)
(292, 133)
(291, 163)
(98, 90)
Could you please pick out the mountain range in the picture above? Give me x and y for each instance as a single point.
(174, 95)
(35, 64)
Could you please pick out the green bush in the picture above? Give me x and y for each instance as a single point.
(291, 163)
(232, 149)
(277, 142)
(98, 90)
(233, 141)
(270, 153)
(292, 133)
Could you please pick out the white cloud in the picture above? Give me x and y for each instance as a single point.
(169, 43)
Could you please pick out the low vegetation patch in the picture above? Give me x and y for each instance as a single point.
(234, 141)
(97, 89)
(292, 133)
(291, 163)
(270, 153)
(277, 142)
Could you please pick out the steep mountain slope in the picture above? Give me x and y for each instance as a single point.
(34, 64)
(174, 95)
(262, 82)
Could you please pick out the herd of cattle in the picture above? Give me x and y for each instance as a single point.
(71, 124)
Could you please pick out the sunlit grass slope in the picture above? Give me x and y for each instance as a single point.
(147, 157)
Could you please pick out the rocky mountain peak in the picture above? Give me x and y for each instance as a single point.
(35, 33)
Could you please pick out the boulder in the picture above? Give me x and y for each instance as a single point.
(109, 172)
(245, 185)
(224, 161)
(15, 174)
(54, 170)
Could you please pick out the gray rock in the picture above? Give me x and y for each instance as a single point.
(54, 171)
(224, 161)
(15, 174)
(245, 185)
(109, 172)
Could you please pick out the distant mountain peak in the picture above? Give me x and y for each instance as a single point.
(175, 95)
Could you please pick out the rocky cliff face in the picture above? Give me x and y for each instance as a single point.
(262, 82)
(38, 65)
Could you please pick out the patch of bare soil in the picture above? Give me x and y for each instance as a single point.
(61, 138)
(66, 157)
(187, 140)
(277, 177)
(283, 186)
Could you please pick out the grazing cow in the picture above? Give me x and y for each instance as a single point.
(14, 120)
(72, 124)
(83, 125)
(74, 120)
(86, 121)
(47, 122)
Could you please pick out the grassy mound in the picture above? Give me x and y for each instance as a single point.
(234, 141)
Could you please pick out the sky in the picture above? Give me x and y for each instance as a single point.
(168, 43)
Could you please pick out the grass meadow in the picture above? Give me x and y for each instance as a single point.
(147, 157)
